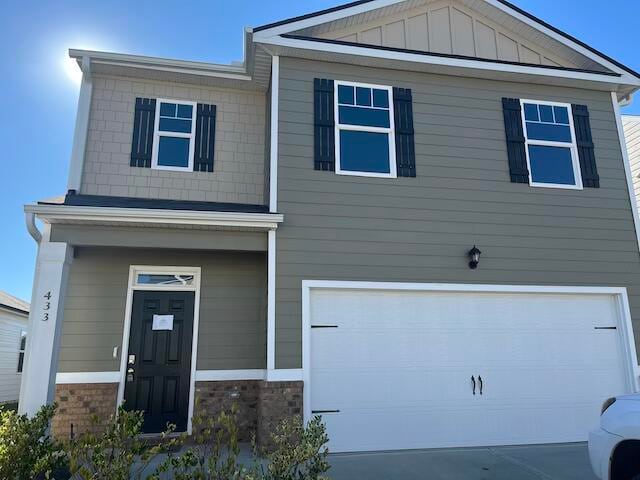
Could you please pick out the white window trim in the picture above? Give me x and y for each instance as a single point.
(21, 351)
(575, 160)
(157, 134)
(358, 128)
(132, 287)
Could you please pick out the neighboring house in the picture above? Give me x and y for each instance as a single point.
(14, 316)
(293, 234)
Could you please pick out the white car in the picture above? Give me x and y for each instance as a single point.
(614, 448)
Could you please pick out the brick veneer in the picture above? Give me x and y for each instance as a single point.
(278, 400)
(261, 405)
(214, 397)
(78, 404)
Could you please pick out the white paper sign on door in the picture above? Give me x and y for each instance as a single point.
(163, 322)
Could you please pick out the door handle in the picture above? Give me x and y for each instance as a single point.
(473, 382)
(480, 380)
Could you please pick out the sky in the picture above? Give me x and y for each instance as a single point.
(40, 85)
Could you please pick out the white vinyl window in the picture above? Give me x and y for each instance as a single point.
(22, 346)
(173, 140)
(365, 140)
(552, 154)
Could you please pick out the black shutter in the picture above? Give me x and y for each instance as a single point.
(205, 138)
(405, 145)
(143, 125)
(324, 122)
(515, 140)
(584, 140)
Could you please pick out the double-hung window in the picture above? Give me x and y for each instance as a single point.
(365, 141)
(552, 155)
(173, 143)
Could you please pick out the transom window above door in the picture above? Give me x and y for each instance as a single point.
(552, 155)
(174, 137)
(365, 143)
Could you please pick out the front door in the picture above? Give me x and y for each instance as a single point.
(159, 358)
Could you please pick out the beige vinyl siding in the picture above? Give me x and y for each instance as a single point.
(232, 307)
(632, 136)
(11, 327)
(238, 175)
(420, 229)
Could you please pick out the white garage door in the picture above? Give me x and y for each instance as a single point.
(393, 369)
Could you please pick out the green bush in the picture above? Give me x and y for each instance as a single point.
(117, 453)
(299, 453)
(121, 453)
(26, 450)
(214, 455)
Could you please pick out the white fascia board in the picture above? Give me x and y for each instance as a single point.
(163, 64)
(559, 38)
(449, 61)
(62, 213)
(268, 34)
(320, 19)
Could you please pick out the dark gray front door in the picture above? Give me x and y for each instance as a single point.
(159, 358)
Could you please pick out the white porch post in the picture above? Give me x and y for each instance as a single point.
(45, 325)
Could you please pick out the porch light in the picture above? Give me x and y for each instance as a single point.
(474, 257)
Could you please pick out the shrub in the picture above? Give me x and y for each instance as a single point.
(26, 450)
(119, 452)
(215, 455)
(299, 453)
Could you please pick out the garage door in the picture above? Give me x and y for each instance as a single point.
(402, 370)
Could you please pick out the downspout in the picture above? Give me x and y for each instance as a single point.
(32, 228)
(82, 128)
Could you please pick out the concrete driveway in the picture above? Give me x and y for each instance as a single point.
(533, 462)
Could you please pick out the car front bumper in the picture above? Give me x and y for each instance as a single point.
(601, 446)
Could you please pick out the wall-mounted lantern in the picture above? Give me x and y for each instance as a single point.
(474, 257)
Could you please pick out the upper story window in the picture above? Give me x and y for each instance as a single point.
(173, 143)
(365, 141)
(552, 155)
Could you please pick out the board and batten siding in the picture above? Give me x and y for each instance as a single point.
(420, 229)
(238, 175)
(232, 307)
(11, 327)
(631, 126)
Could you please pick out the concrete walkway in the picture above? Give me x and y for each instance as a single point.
(548, 462)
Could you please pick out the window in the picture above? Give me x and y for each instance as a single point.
(21, 349)
(552, 155)
(164, 279)
(365, 143)
(174, 135)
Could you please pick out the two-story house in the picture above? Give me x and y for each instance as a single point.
(411, 217)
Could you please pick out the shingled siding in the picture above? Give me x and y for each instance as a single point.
(238, 175)
(420, 229)
(232, 307)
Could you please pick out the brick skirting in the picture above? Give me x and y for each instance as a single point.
(78, 404)
(261, 405)
(212, 398)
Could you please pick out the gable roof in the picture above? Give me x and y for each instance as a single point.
(295, 27)
(9, 302)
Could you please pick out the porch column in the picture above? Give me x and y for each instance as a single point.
(45, 325)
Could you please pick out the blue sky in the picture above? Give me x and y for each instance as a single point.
(39, 95)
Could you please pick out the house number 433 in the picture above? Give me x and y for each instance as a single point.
(46, 306)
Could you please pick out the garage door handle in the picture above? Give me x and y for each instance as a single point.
(480, 380)
(473, 382)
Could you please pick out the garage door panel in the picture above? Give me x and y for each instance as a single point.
(398, 367)
(406, 389)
